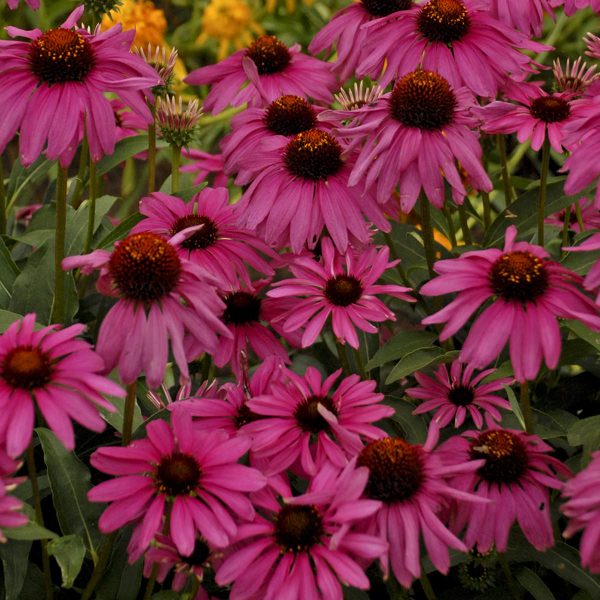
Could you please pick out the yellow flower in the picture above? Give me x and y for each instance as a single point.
(229, 22)
(290, 5)
(149, 22)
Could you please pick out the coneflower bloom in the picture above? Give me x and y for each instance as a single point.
(345, 32)
(165, 555)
(270, 69)
(572, 6)
(55, 83)
(195, 473)
(219, 246)
(590, 216)
(592, 42)
(341, 286)
(161, 296)
(409, 481)
(458, 393)
(528, 293)
(592, 279)
(304, 421)
(307, 545)
(299, 186)
(54, 371)
(413, 137)
(204, 165)
(574, 78)
(526, 16)
(285, 116)
(516, 477)
(537, 115)
(583, 510)
(459, 40)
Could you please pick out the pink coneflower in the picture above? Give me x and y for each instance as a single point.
(459, 40)
(195, 473)
(33, 4)
(245, 315)
(526, 16)
(228, 408)
(537, 115)
(528, 293)
(55, 83)
(592, 279)
(516, 476)
(306, 421)
(285, 116)
(128, 122)
(308, 545)
(220, 246)
(161, 296)
(300, 188)
(54, 371)
(345, 32)
(24, 214)
(10, 507)
(167, 557)
(270, 69)
(413, 137)
(409, 481)
(583, 510)
(343, 286)
(572, 6)
(590, 216)
(203, 165)
(575, 78)
(456, 394)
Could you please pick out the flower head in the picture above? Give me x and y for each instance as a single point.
(343, 286)
(162, 63)
(574, 78)
(592, 279)
(161, 295)
(456, 394)
(195, 473)
(305, 420)
(308, 543)
(515, 477)
(583, 511)
(54, 371)
(270, 69)
(177, 125)
(56, 83)
(590, 216)
(528, 292)
(526, 16)
(414, 134)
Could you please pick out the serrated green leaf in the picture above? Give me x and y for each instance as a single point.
(14, 564)
(69, 552)
(400, 345)
(534, 585)
(419, 359)
(70, 483)
(514, 404)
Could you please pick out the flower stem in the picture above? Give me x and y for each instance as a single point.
(151, 153)
(464, 225)
(91, 208)
(225, 115)
(103, 556)
(451, 230)
(427, 587)
(37, 502)
(579, 217)
(343, 358)
(128, 412)
(360, 363)
(504, 169)
(427, 234)
(487, 210)
(526, 407)
(2, 199)
(512, 586)
(151, 582)
(175, 164)
(58, 313)
(543, 186)
(565, 229)
(83, 160)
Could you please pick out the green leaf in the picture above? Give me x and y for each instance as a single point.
(116, 418)
(514, 404)
(413, 427)
(70, 483)
(8, 274)
(584, 333)
(124, 149)
(419, 359)
(30, 531)
(14, 564)
(400, 345)
(120, 231)
(69, 552)
(585, 433)
(78, 224)
(534, 585)
(7, 318)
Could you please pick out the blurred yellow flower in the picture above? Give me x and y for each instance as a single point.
(290, 5)
(231, 23)
(149, 22)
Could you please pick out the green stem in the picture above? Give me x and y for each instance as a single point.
(526, 407)
(427, 234)
(83, 160)
(99, 567)
(543, 189)
(512, 586)
(450, 221)
(58, 313)
(195, 588)
(152, 153)
(225, 115)
(504, 169)
(579, 217)
(91, 208)
(427, 587)
(565, 229)
(343, 358)
(464, 225)
(175, 164)
(128, 412)
(2, 199)
(151, 582)
(487, 210)
(360, 363)
(37, 502)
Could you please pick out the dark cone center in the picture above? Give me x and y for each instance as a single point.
(27, 368)
(550, 109)
(298, 528)
(241, 308)
(203, 238)
(177, 474)
(505, 456)
(308, 416)
(519, 276)
(289, 115)
(269, 55)
(444, 21)
(343, 290)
